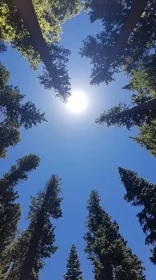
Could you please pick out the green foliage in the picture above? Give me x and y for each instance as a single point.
(73, 266)
(121, 115)
(14, 113)
(147, 137)
(19, 171)
(37, 242)
(9, 210)
(8, 137)
(46, 19)
(51, 14)
(59, 80)
(2, 47)
(106, 248)
(142, 85)
(142, 82)
(5, 262)
(140, 192)
(4, 76)
(9, 222)
(139, 50)
(144, 89)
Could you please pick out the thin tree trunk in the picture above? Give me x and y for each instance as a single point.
(27, 13)
(138, 7)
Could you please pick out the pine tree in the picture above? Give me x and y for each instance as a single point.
(8, 137)
(20, 22)
(8, 233)
(34, 28)
(4, 76)
(106, 248)
(73, 266)
(55, 73)
(2, 47)
(147, 137)
(140, 192)
(15, 113)
(143, 85)
(142, 115)
(127, 41)
(9, 210)
(37, 242)
(123, 115)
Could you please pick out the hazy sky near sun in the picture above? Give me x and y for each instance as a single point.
(86, 156)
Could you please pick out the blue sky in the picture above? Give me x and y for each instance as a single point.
(86, 156)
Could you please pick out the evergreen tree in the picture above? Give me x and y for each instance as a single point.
(55, 73)
(127, 41)
(73, 266)
(34, 27)
(50, 17)
(2, 47)
(8, 137)
(123, 115)
(140, 192)
(106, 248)
(143, 85)
(8, 233)
(9, 210)
(143, 115)
(15, 113)
(147, 137)
(4, 76)
(37, 242)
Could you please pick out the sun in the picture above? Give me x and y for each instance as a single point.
(77, 102)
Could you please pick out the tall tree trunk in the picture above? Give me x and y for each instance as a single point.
(138, 7)
(107, 273)
(26, 269)
(133, 18)
(33, 245)
(27, 13)
(30, 257)
(150, 104)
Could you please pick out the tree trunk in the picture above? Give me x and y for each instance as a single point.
(30, 257)
(150, 104)
(107, 272)
(133, 18)
(136, 11)
(27, 266)
(27, 13)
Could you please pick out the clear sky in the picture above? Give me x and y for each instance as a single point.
(86, 156)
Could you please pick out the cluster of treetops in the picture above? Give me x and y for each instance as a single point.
(126, 43)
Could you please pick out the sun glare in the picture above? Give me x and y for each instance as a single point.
(77, 102)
